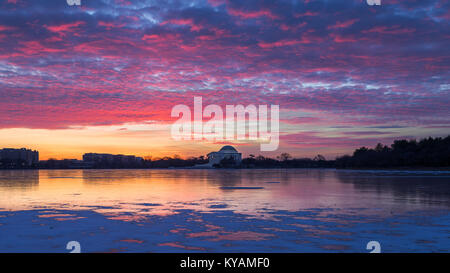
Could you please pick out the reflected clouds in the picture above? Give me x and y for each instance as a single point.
(308, 210)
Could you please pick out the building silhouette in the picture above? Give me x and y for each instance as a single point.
(19, 157)
(112, 160)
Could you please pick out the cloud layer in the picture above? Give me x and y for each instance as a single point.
(332, 66)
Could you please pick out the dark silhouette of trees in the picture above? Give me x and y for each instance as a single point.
(319, 158)
(285, 157)
(175, 162)
(428, 152)
(285, 160)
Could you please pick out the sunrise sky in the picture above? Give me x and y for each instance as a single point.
(104, 76)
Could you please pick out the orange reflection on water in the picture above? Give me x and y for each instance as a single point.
(132, 195)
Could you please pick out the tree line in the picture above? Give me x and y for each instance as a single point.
(428, 152)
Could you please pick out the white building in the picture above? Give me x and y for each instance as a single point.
(228, 152)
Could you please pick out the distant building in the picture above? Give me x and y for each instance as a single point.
(110, 159)
(227, 152)
(65, 164)
(21, 156)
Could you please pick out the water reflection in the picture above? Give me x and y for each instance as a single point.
(200, 189)
(19, 180)
(224, 210)
(422, 188)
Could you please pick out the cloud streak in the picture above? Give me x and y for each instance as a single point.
(114, 62)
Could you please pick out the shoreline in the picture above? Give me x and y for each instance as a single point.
(275, 168)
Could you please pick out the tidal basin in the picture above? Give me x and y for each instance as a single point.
(228, 210)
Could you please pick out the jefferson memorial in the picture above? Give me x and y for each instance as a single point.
(228, 152)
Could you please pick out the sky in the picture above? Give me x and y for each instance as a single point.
(104, 76)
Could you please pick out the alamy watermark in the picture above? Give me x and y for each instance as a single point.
(373, 2)
(73, 2)
(74, 246)
(78, 2)
(374, 246)
(235, 126)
